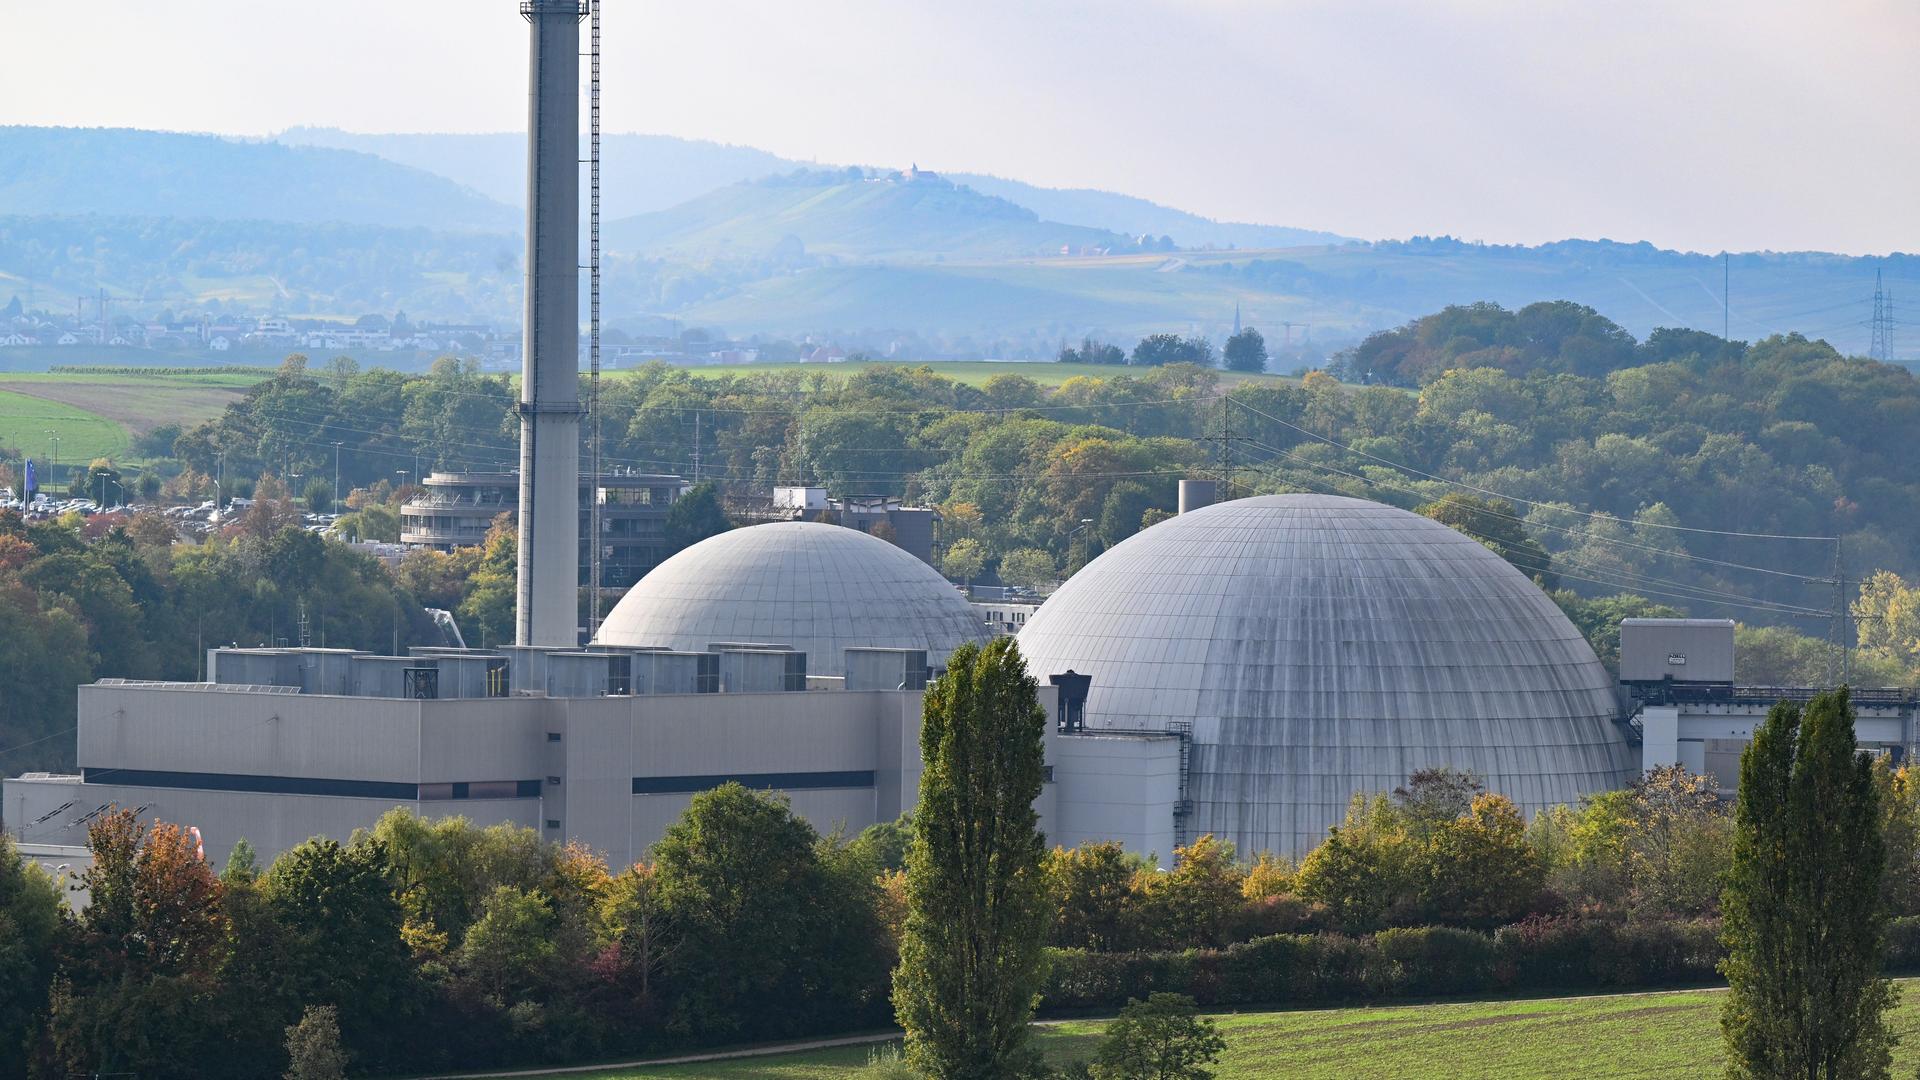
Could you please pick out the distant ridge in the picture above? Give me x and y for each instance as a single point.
(1136, 216)
(851, 214)
(645, 173)
(124, 171)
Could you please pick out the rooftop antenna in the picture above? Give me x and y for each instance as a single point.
(593, 316)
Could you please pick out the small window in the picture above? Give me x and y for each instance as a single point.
(553, 823)
(553, 736)
(1046, 774)
(553, 781)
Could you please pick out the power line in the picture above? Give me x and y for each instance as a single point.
(1612, 577)
(1510, 498)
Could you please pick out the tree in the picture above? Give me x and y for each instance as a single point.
(694, 516)
(1197, 902)
(1888, 614)
(30, 921)
(1161, 1038)
(313, 1046)
(1155, 350)
(1804, 918)
(964, 559)
(1246, 351)
(344, 938)
(768, 940)
(1497, 525)
(1028, 567)
(1092, 891)
(319, 495)
(971, 960)
(635, 924)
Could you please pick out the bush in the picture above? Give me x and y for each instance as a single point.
(1541, 953)
(1436, 960)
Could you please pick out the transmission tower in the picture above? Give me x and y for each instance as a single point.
(1881, 348)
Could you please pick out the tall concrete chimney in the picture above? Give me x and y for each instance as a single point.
(549, 581)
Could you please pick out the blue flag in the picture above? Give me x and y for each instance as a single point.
(30, 486)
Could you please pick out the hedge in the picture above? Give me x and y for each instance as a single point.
(1543, 953)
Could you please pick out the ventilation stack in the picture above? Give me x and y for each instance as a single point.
(1195, 494)
(547, 611)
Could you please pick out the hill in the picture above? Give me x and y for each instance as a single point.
(121, 171)
(644, 173)
(641, 173)
(849, 214)
(260, 266)
(1135, 216)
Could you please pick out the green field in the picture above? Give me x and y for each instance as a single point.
(98, 414)
(1672, 1034)
(971, 372)
(84, 435)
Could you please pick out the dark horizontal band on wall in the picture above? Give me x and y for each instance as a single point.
(792, 781)
(311, 785)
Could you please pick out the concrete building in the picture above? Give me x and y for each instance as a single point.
(456, 510)
(605, 748)
(909, 528)
(815, 588)
(1309, 648)
(1686, 709)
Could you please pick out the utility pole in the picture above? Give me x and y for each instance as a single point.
(696, 446)
(336, 479)
(53, 459)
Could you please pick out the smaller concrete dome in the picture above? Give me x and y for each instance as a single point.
(819, 588)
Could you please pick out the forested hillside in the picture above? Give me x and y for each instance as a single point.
(124, 172)
(850, 214)
(1679, 474)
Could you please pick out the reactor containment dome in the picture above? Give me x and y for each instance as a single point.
(1317, 647)
(817, 588)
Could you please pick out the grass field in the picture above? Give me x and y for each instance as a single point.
(84, 435)
(97, 415)
(1643, 1036)
(971, 372)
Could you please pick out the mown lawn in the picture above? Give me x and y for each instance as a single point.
(1673, 1034)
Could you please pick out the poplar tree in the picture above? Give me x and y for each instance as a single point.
(971, 957)
(1804, 918)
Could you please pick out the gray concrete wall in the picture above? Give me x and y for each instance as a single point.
(271, 823)
(1115, 787)
(232, 731)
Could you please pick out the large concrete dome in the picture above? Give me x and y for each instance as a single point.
(1321, 646)
(818, 588)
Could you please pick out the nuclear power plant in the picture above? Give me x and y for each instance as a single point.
(1243, 669)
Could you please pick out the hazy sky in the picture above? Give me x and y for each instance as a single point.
(1697, 124)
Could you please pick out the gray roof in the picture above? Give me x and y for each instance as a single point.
(1322, 646)
(818, 588)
